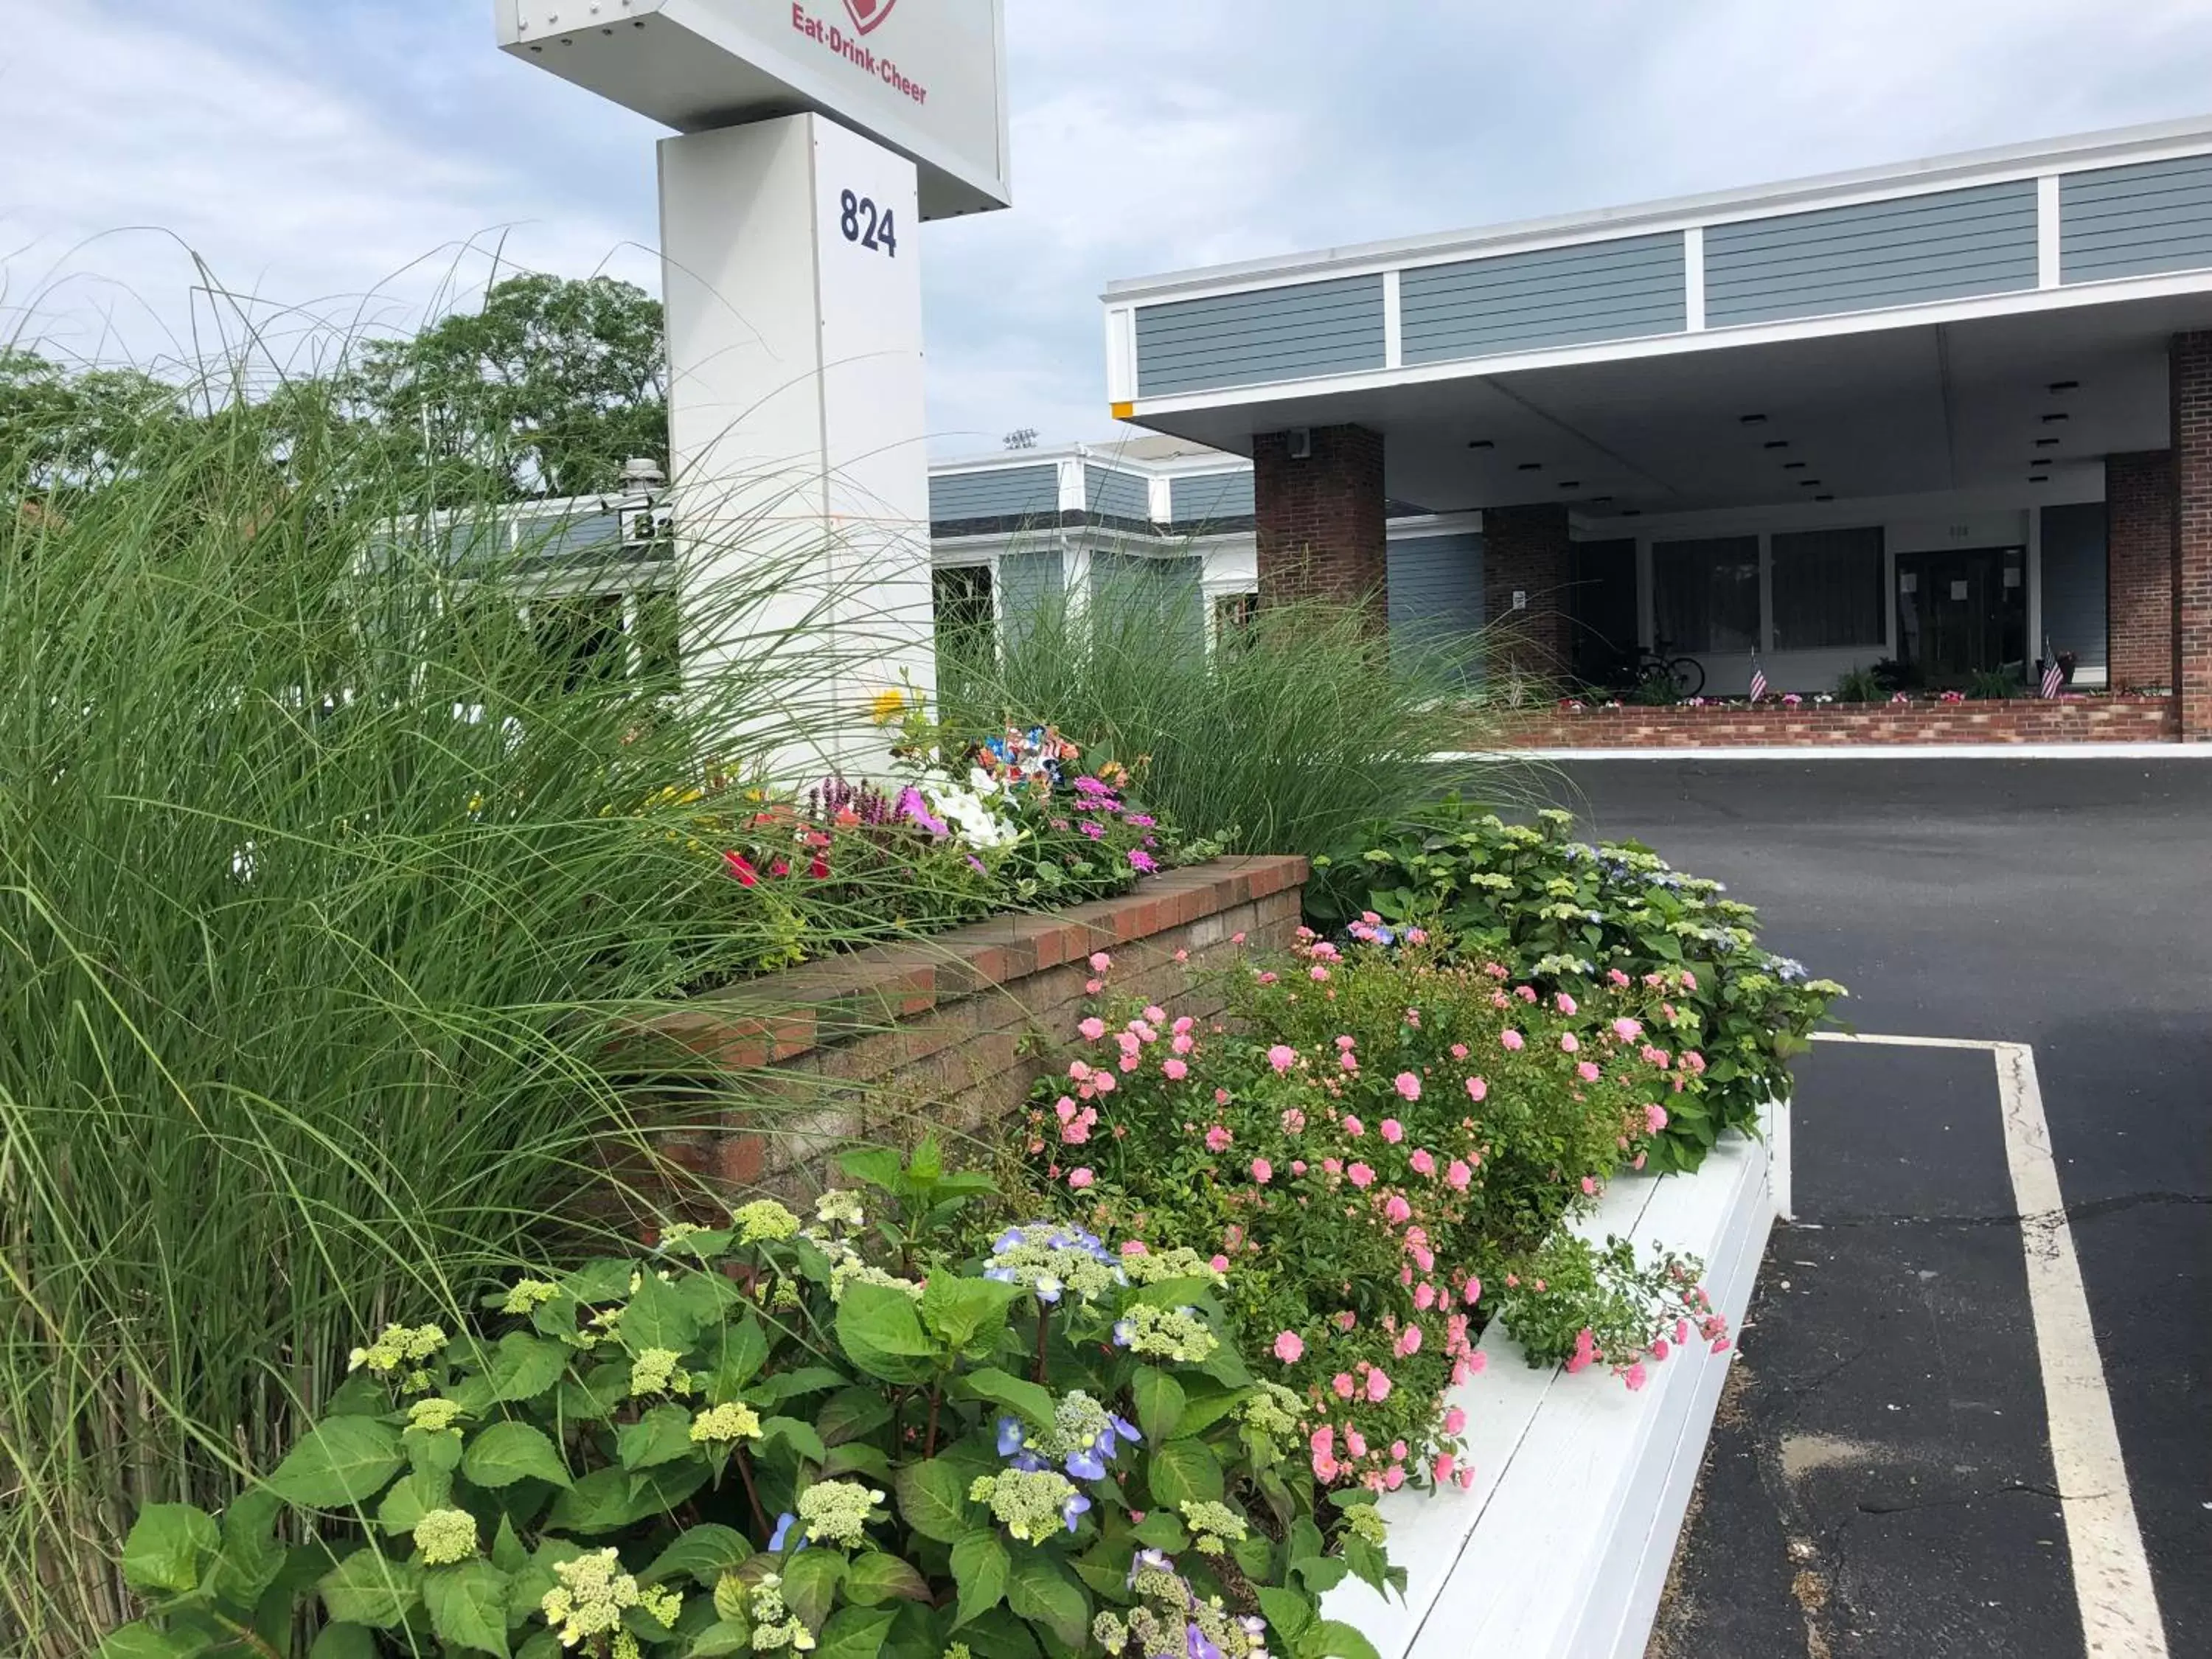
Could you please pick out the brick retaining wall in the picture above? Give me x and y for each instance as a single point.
(954, 1029)
(2025, 719)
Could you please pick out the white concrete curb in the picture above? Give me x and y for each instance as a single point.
(1852, 752)
(1561, 1548)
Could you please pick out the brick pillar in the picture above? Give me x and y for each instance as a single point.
(1524, 550)
(2190, 372)
(1322, 528)
(2139, 569)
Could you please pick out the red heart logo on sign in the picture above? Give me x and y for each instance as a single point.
(867, 13)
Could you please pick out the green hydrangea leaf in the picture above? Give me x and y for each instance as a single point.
(1183, 1472)
(143, 1641)
(524, 1366)
(661, 1436)
(980, 1566)
(506, 1452)
(341, 1460)
(881, 1332)
(1042, 1591)
(875, 1578)
(1160, 1403)
(658, 1316)
(169, 1545)
(1029, 1400)
(370, 1588)
(854, 1633)
(467, 1605)
(702, 1554)
(810, 1584)
(932, 1496)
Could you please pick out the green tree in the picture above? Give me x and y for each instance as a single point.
(546, 390)
(66, 431)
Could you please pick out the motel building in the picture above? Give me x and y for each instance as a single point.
(1936, 414)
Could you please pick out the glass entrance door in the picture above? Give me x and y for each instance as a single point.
(1961, 611)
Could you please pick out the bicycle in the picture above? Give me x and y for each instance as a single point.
(1645, 666)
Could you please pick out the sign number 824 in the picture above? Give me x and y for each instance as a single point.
(861, 222)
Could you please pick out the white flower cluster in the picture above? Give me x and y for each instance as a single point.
(973, 812)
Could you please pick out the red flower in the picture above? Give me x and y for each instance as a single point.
(819, 869)
(746, 875)
(779, 868)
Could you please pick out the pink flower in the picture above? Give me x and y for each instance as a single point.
(1617, 977)
(1694, 1061)
(1078, 1179)
(1217, 1139)
(1282, 1057)
(1394, 1477)
(1323, 1439)
(1355, 1442)
(1654, 1118)
(1455, 1420)
(1423, 1161)
(1347, 1319)
(1467, 1478)
(1294, 1121)
(1348, 1061)
(1513, 1040)
(1317, 973)
(1065, 1108)
(1681, 1333)
(1586, 1070)
(1636, 1377)
(1407, 1085)
(1393, 1131)
(1473, 1291)
(1424, 1296)
(1627, 1030)
(1417, 936)
(1290, 1348)
(1354, 1126)
(1219, 1264)
(1566, 1003)
(1660, 1350)
(1267, 978)
(1104, 1081)
(1182, 1043)
(1100, 961)
(1093, 986)
(1396, 1210)
(1182, 955)
(1720, 1344)
(1570, 1043)
(1525, 992)
(1093, 1028)
(1262, 1171)
(1585, 1353)
(1342, 1383)
(1360, 1176)
(1378, 1385)
(1445, 1464)
(1589, 1186)
(1457, 1176)
(1409, 1341)
(1175, 1070)
(1325, 1468)
(1477, 1089)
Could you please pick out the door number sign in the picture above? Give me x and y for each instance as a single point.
(862, 224)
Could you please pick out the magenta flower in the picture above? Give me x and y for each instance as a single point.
(1142, 861)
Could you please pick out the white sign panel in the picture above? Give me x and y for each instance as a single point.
(924, 77)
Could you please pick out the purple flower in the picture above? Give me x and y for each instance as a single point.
(1140, 859)
(1075, 1505)
(978, 865)
(912, 806)
(1143, 821)
(783, 1525)
(1085, 1464)
(1122, 1426)
(1198, 1647)
(1010, 1436)
(1095, 831)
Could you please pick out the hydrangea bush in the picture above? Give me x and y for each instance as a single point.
(1572, 916)
(1372, 1136)
(829, 1437)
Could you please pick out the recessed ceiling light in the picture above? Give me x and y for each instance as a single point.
(1631, 512)
(1752, 420)
(2041, 460)
(1571, 484)
(1600, 501)
(1777, 443)
(2050, 419)
(2038, 477)
(1793, 466)
(1532, 466)
(1824, 498)
(1481, 443)
(2046, 443)
(1809, 484)
(2066, 385)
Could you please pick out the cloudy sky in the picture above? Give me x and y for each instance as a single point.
(358, 161)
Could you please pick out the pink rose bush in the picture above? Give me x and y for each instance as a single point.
(1364, 1152)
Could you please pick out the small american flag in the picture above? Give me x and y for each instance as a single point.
(1758, 678)
(2054, 677)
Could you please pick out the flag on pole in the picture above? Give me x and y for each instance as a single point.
(1758, 678)
(2054, 678)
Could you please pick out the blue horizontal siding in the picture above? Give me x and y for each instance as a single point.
(1211, 498)
(1560, 296)
(1011, 492)
(1249, 339)
(1436, 592)
(1949, 246)
(1116, 495)
(2136, 221)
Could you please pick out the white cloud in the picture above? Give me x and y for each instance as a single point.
(313, 147)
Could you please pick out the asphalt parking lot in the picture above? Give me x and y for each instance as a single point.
(1882, 1481)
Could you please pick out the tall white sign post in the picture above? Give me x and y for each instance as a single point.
(817, 136)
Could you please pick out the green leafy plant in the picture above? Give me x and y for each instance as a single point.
(1994, 684)
(1566, 914)
(1583, 1304)
(1862, 686)
(824, 1437)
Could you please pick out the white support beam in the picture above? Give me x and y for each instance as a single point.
(1394, 323)
(2047, 244)
(1694, 277)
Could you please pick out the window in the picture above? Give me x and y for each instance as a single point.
(1234, 614)
(1827, 590)
(580, 640)
(966, 623)
(1705, 595)
(656, 631)
(1601, 606)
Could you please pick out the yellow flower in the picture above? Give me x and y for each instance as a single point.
(887, 706)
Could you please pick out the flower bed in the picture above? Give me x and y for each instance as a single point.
(1809, 723)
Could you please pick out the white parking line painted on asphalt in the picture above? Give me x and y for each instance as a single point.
(1855, 751)
(2111, 1573)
